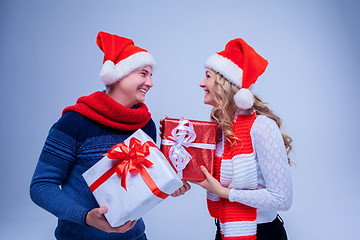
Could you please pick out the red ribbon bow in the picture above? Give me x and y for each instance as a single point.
(131, 159)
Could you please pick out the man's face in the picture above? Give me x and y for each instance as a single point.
(134, 86)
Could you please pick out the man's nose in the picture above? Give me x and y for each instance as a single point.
(149, 82)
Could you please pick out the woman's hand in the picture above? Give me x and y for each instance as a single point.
(186, 187)
(97, 219)
(212, 185)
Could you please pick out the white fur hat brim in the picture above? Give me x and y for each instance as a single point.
(225, 67)
(111, 73)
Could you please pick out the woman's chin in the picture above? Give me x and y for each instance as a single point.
(209, 103)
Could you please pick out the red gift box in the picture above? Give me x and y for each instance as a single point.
(188, 144)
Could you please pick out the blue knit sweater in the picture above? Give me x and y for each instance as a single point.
(74, 144)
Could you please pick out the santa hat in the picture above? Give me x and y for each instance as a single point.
(121, 57)
(241, 65)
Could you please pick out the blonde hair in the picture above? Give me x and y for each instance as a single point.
(224, 112)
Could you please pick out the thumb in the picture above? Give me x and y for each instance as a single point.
(102, 210)
(205, 171)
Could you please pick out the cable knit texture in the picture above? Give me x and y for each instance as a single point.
(274, 185)
(74, 144)
(236, 168)
(274, 191)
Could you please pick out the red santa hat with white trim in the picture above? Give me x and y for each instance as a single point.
(121, 57)
(241, 65)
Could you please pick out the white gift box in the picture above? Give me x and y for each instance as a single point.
(138, 199)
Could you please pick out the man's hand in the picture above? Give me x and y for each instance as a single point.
(186, 187)
(97, 219)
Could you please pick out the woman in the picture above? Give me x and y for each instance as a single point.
(87, 130)
(251, 179)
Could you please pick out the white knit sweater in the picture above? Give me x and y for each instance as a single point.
(274, 185)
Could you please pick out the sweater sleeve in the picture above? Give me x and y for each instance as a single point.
(56, 160)
(272, 159)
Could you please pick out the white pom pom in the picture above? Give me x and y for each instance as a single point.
(108, 73)
(244, 99)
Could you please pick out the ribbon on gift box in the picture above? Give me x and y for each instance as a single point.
(131, 159)
(183, 136)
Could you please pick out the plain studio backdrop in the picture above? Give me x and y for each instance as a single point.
(49, 58)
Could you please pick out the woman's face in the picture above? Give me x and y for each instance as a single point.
(134, 87)
(208, 85)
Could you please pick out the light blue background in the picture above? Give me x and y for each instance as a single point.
(49, 58)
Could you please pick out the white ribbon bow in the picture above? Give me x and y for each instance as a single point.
(183, 137)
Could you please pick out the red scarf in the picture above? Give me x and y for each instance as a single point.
(106, 111)
(237, 221)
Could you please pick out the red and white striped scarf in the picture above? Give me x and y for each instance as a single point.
(236, 166)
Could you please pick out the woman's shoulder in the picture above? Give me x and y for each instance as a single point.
(263, 124)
